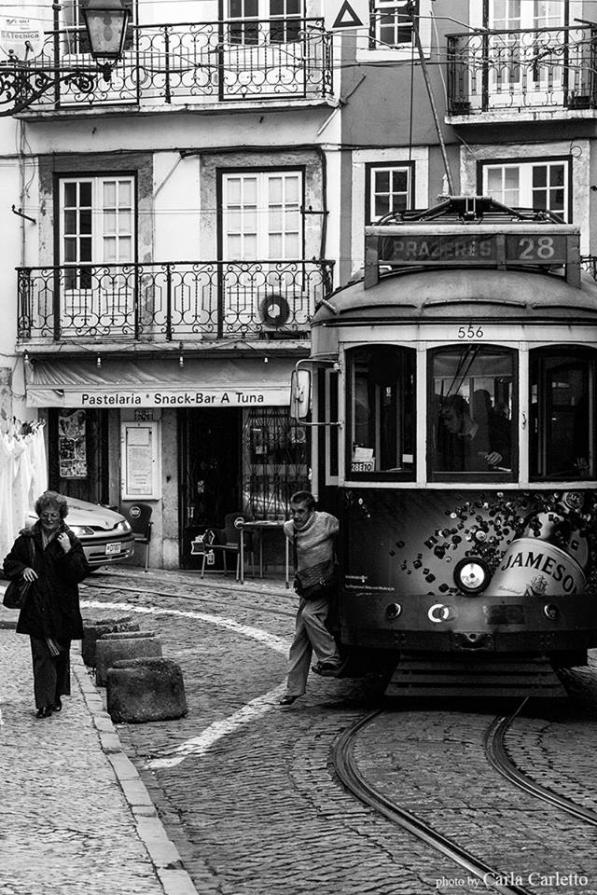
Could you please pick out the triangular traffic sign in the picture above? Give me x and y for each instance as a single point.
(347, 17)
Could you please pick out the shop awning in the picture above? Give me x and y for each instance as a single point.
(120, 383)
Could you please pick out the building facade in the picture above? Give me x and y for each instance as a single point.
(171, 223)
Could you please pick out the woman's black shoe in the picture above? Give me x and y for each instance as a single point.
(44, 712)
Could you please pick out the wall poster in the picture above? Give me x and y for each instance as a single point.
(72, 445)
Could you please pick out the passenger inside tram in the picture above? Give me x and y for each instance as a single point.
(474, 440)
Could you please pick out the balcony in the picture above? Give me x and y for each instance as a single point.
(531, 74)
(156, 303)
(282, 61)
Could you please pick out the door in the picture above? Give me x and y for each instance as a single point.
(210, 458)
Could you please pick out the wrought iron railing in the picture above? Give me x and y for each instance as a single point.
(544, 68)
(170, 300)
(194, 62)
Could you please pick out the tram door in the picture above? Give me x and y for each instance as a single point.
(210, 463)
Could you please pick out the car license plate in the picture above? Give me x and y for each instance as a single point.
(112, 548)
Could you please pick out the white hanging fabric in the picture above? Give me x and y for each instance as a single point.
(23, 477)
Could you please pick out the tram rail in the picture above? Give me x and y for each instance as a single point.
(346, 767)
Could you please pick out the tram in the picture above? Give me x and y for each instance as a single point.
(452, 393)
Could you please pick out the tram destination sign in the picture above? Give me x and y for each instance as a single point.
(533, 248)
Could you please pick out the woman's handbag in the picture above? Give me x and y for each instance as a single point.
(16, 593)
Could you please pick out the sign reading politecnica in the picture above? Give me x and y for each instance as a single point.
(20, 39)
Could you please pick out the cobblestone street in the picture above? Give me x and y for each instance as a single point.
(246, 790)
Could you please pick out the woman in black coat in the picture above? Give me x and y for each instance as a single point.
(51, 558)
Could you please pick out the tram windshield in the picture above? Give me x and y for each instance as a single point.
(471, 411)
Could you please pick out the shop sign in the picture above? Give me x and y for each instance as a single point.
(210, 397)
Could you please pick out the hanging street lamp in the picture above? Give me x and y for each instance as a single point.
(24, 79)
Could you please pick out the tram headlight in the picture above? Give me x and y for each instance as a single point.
(471, 575)
(551, 612)
(393, 610)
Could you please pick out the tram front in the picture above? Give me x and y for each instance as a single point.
(454, 399)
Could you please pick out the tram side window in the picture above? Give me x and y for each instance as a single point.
(381, 409)
(471, 413)
(563, 413)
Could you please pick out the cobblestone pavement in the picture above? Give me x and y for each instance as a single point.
(75, 816)
(254, 806)
(247, 792)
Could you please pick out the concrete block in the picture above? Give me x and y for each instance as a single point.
(126, 645)
(145, 689)
(93, 629)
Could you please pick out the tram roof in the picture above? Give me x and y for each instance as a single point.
(454, 292)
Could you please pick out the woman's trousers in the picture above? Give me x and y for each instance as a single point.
(51, 674)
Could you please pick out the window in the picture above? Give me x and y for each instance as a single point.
(390, 190)
(510, 14)
(537, 185)
(381, 412)
(563, 419)
(96, 225)
(471, 413)
(260, 21)
(262, 215)
(274, 462)
(391, 24)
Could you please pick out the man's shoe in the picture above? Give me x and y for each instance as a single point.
(328, 669)
(287, 699)
(57, 707)
(44, 712)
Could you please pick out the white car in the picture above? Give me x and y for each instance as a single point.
(106, 535)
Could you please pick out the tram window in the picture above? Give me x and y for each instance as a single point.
(471, 412)
(563, 413)
(381, 410)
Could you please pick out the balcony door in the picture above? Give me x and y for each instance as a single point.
(262, 247)
(97, 245)
(265, 48)
(526, 66)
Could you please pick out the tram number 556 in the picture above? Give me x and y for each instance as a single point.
(470, 332)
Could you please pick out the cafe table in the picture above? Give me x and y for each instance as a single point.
(262, 526)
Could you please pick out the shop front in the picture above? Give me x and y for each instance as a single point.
(196, 440)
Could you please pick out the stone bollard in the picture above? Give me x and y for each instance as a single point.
(93, 629)
(126, 645)
(139, 690)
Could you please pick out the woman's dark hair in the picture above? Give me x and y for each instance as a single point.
(303, 497)
(52, 499)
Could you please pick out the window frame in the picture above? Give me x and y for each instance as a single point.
(97, 212)
(474, 476)
(262, 236)
(371, 168)
(538, 441)
(264, 22)
(529, 165)
(407, 353)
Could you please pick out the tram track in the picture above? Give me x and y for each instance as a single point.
(497, 755)
(345, 764)
(218, 601)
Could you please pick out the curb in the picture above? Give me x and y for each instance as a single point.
(161, 850)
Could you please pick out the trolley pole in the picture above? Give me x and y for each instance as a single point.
(410, 8)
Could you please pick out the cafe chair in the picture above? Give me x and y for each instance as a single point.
(138, 516)
(227, 541)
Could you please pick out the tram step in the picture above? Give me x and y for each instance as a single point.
(416, 676)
